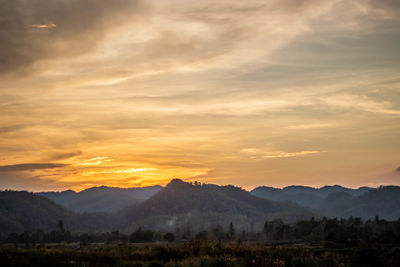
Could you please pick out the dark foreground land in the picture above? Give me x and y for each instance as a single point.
(325, 242)
(200, 253)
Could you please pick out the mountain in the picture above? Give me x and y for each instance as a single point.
(182, 204)
(321, 192)
(304, 195)
(25, 211)
(383, 202)
(338, 201)
(101, 199)
(336, 204)
(192, 207)
(20, 211)
(328, 189)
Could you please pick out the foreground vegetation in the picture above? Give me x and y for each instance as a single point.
(326, 242)
(201, 253)
(342, 233)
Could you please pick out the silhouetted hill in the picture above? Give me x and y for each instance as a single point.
(299, 189)
(25, 211)
(20, 211)
(338, 201)
(336, 204)
(328, 189)
(383, 202)
(101, 199)
(181, 204)
(304, 195)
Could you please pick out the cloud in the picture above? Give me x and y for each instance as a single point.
(27, 181)
(60, 156)
(310, 126)
(30, 166)
(189, 36)
(12, 128)
(292, 154)
(76, 26)
(168, 84)
(125, 171)
(95, 161)
(146, 37)
(279, 154)
(43, 26)
(361, 102)
(390, 7)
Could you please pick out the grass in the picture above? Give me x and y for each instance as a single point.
(200, 253)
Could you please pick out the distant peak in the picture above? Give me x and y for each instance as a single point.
(332, 186)
(178, 184)
(69, 191)
(176, 181)
(299, 187)
(94, 188)
(338, 194)
(365, 188)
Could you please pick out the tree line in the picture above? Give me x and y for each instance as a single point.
(349, 232)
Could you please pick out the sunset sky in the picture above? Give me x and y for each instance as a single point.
(135, 93)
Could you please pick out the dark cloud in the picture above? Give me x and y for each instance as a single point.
(390, 6)
(59, 156)
(12, 128)
(30, 166)
(41, 29)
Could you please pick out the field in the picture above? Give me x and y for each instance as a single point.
(197, 253)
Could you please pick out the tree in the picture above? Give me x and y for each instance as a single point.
(266, 225)
(141, 236)
(277, 228)
(231, 230)
(203, 235)
(217, 232)
(61, 226)
(170, 237)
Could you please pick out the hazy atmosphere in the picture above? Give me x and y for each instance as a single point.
(135, 93)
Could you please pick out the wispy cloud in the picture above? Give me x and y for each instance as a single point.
(12, 128)
(361, 102)
(310, 126)
(30, 166)
(291, 154)
(95, 161)
(279, 154)
(132, 170)
(43, 26)
(66, 155)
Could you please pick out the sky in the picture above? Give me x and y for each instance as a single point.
(135, 93)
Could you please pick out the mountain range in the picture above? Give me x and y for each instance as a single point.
(189, 206)
(101, 199)
(304, 195)
(180, 204)
(338, 201)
